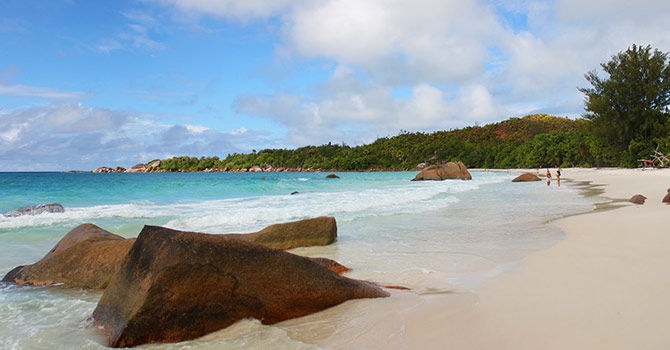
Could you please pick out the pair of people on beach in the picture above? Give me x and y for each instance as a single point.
(558, 177)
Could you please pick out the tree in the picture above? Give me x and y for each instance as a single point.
(629, 110)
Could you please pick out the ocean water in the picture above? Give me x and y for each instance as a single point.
(432, 237)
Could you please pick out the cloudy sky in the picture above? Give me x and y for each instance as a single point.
(91, 83)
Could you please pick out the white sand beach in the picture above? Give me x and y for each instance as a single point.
(604, 287)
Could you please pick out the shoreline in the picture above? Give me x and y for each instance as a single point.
(602, 287)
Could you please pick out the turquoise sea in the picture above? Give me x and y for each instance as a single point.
(428, 236)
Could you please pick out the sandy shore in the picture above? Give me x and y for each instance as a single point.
(605, 286)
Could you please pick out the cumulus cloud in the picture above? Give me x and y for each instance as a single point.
(346, 102)
(65, 136)
(462, 60)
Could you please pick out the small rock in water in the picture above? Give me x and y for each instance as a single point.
(637, 199)
(36, 209)
(332, 176)
(294, 192)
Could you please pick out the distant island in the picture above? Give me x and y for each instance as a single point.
(536, 140)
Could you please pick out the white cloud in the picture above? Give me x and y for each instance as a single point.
(40, 92)
(65, 136)
(233, 9)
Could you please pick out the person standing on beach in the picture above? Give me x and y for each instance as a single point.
(558, 177)
(548, 177)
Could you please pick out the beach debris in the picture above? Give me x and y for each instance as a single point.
(174, 286)
(85, 257)
(88, 256)
(332, 176)
(36, 210)
(666, 199)
(526, 177)
(445, 171)
(637, 199)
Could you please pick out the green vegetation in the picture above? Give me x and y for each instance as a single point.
(627, 117)
(531, 141)
(629, 110)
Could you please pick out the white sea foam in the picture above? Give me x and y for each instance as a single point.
(250, 212)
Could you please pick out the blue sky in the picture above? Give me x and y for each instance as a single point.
(89, 83)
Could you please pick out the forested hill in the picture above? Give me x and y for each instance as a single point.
(531, 141)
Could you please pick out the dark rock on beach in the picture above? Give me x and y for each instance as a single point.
(36, 210)
(85, 257)
(637, 199)
(526, 177)
(302, 233)
(666, 199)
(174, 286)
(446, 171)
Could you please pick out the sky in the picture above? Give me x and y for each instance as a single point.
(85, 84)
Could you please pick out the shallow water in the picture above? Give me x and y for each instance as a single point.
(433, 237)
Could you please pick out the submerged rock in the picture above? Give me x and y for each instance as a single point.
(526, 177)
(637, 199)
(446, 171)
(36, 210)
(174, 286)
(85, 257)
(332, 176)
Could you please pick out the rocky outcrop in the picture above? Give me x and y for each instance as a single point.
(446, 171)
(85, 257)
(302, 233)
(332, 176)
(36, 210)
(637, 199)
(666, 199)
(174, 286)
(526, 177)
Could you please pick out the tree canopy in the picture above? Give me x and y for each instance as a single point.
(629, 110)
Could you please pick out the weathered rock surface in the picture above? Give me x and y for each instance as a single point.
(637, 199)
(174, 286)
(302, 233)
(446, 171)
(332, 176)
(36, 210)
(86, 257)
(526, 177)
(666, 199)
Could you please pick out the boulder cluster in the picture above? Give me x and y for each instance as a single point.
(170, 286)
(153, 166)
(444, 171)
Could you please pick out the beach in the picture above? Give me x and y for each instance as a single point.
(603, 287)
(490, 264)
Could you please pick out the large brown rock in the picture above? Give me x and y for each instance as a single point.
(303, 233)
(446, 171)
(526, 177)
(175, 286)
(86, 257)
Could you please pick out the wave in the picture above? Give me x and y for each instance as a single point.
(252, 212)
